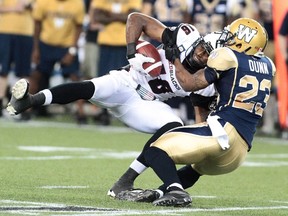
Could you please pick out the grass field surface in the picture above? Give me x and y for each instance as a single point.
(49, 168)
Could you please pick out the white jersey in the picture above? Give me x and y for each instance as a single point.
(164, 86)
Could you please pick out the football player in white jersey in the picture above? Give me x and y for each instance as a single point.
(128, 93)
(117, 90)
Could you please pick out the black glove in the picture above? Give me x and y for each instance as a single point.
(169, 36)
(172, 52)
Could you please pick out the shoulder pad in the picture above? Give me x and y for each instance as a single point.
(222, 59)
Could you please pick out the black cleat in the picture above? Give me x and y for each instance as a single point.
(148, 196)
(139, 195)
(175, 198)
(128, 195)
(21, 99)
(124, 183)
(118, 187)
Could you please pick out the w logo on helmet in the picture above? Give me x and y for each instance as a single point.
(246, 33)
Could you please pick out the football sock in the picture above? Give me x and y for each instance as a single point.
(128, 177)
(139, 165)
(162, 165)
(158, 133)
(174, 186)
(188, 177)
(132, 173)
(125, 182)
(70, 92)
(64, 93)
(38, 99)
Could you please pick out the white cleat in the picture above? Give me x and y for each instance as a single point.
(10, 109)
(20, 89)
(20, 100)
(111, 193)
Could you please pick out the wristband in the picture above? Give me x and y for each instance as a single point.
(131, 50)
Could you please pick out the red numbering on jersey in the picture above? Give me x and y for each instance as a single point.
(147, 49)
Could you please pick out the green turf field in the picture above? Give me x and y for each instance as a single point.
(51, 168)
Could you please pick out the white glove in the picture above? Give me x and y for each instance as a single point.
(136, 63)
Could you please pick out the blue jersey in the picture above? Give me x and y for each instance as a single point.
(243, 83)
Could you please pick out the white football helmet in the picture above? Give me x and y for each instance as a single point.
(186, 36)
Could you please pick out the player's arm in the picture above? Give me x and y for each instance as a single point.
(138, 23)
(220, 60)
(190, 82)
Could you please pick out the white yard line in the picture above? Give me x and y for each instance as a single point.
(38, 208)
(63, 187)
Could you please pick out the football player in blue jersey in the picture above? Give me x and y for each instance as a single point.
(242, 75)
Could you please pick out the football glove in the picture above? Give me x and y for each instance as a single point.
(169, 36)
(172, 52)
(136, 63)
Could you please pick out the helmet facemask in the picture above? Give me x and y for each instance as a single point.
(190, 63)
(226, 38)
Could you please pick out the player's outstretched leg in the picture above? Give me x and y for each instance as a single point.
(21, 99)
